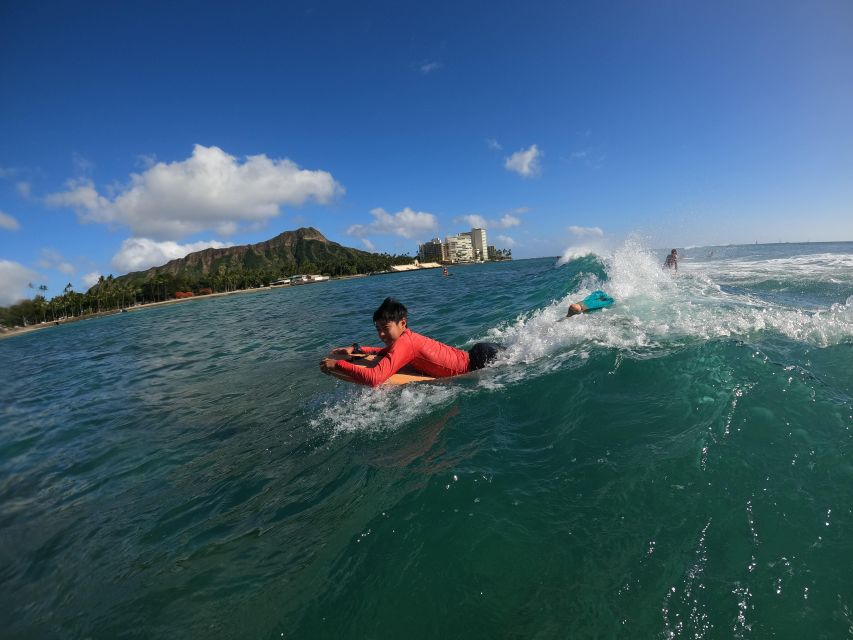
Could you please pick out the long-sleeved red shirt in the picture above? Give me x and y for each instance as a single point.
(428, 356)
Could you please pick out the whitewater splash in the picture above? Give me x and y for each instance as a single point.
(656, 312)
(656, 308)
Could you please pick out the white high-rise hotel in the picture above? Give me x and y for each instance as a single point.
(478, 239)
(468, 246)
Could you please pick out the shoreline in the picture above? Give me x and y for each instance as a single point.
(8, 333)
(17, 331)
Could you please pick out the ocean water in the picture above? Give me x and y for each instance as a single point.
(679, 465)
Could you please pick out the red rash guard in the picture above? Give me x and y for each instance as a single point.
(428, 356)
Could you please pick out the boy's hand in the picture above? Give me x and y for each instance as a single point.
(327, 364)
(340, 351)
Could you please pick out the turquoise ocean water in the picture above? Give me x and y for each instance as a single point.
(680, 465)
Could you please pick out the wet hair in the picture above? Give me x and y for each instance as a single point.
(673, 251)
(390, 311)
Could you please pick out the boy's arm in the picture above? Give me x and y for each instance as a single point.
(397, 357)
(349, 350)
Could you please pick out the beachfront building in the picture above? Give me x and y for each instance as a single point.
(460, 248)
(433, 251)
(491, 252)
(478, 240)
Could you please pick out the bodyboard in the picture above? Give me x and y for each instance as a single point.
(597, 300)
(404, 376)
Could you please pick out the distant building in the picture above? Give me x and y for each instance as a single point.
(478, 240)
(433, 251)
(492, 252)
(460, 248)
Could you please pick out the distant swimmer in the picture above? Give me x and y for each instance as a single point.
(446, 272)
(671, 261)
(595, 300)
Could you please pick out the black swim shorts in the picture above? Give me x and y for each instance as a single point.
(482, 354)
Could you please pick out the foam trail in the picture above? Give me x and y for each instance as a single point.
(380, 409)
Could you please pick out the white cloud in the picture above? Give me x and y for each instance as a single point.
(14, 279)
(10, 223)
(525, 162)
(24, 189)
(81, 164)
(507, 221)
(474, 221)
(50, 259)
(506, 241)
(429, 67)
(477, 221)
(368, 244)
(209, 190)
(582, 232)
(91, 279)
(493, 144)
(137, 254)
(405, 223)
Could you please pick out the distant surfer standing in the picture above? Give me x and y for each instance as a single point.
(671, 261)
(405, 347)
(595, 300)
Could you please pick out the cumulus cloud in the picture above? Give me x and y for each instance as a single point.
(91, 279)
(474, 221)
(137, 254)
(506, 241)
(406, 223)
(507, 221)
(10, 223)
(429, 67)
(50, 259)
(582, 232)
(493, 144)
(477, 221)
(14, 278)
(209, 190)
(525, 162)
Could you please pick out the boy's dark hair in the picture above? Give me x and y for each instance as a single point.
(390, 311)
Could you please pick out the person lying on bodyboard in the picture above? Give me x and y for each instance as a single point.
(595, 300)
(405, 347)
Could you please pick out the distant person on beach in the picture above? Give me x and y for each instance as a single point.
(671, 261)
(595, 300)
(405, 347)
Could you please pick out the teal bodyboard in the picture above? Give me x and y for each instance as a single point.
(597, 300)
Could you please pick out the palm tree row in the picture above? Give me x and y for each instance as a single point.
(112, 294)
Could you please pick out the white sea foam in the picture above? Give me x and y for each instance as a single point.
(818, 267)
(655, 308)
(380, 409)
(655, 311)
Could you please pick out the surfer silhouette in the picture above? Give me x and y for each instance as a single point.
(671, 261)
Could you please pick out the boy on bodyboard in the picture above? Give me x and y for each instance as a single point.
(404, 348)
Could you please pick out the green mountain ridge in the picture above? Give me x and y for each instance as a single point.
(305, 250)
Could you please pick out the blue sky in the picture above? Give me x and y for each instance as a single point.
(132, 132)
